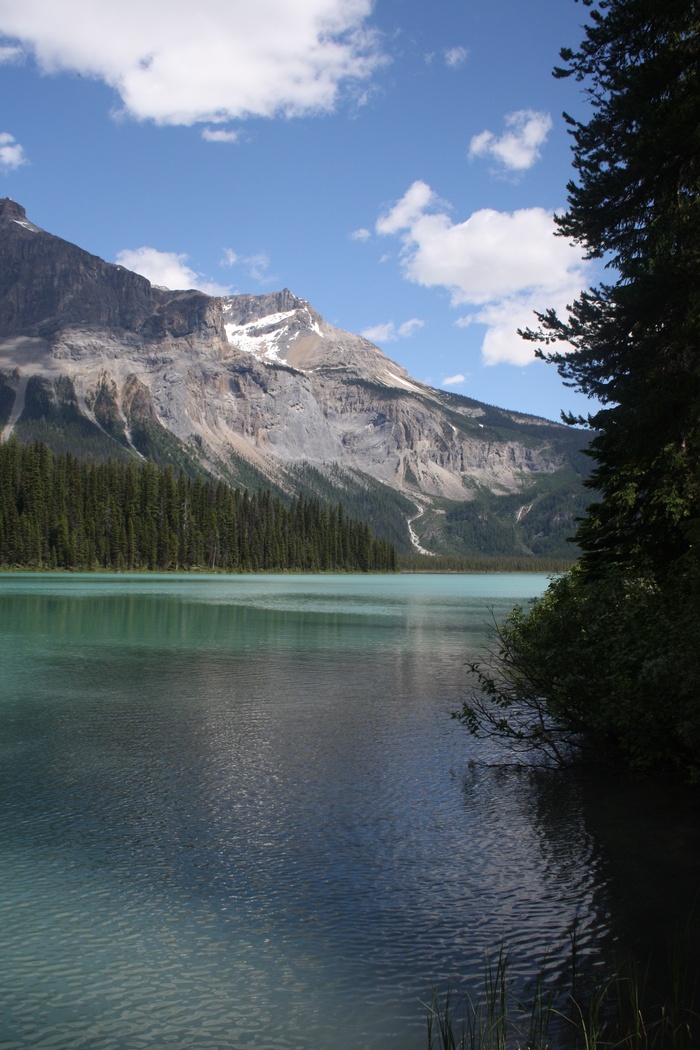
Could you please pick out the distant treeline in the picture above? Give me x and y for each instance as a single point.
(58, 512)
(481, 563)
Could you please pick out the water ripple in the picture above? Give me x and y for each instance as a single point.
(237, 814)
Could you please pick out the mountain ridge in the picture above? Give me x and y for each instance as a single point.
(254, 387)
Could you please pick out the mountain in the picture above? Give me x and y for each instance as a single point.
(260, 390)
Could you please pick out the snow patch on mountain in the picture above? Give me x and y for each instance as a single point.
(263, 336)
(403, 382)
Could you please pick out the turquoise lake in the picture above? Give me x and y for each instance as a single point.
(235, 812)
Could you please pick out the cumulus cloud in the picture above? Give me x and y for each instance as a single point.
(167, 270)
(502, 344)
(505, 264)
(12, 154)
(457, 380)
(219, 135)
(389, 333)
(519, 146)
(360, 235)
(490, 255)
(455, 57)
(408, 210)
(221, 60)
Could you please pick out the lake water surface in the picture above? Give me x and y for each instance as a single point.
(235, 812)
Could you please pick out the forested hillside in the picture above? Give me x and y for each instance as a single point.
(57, 512)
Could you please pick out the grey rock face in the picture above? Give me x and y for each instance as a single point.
(47, 284)
(262, 378)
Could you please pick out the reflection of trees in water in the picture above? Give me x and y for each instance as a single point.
(573, 882)
(631, 850)
(648, 836)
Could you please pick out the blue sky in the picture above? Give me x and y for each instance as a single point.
(397, 163)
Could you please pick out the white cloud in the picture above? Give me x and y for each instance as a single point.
(457, 380)
(360, 235)
(174, 63)
(10, 53)
(219, 135)
(519, 147)
(12, 155)
(455, 57)
(255, 266)
(502, 344)
(490, 255)
(408, 210)
(167, 270)
(407, 329)
(380, 333)
(507, 264)
(389, 333)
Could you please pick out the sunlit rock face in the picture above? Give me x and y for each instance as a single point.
(219, 381)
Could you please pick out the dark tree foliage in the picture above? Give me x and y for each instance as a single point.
(57, 512)
(606, 673)
(636, 204)
(607, 664)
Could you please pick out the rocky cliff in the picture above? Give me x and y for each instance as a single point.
(96, 359)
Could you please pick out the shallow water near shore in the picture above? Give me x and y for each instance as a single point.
(235, 812)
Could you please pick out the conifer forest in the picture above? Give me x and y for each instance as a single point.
(58, 512)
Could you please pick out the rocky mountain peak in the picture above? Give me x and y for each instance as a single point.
(251, 386)
(10, 209)
(12, 212)
(48, 284)
(245, 309)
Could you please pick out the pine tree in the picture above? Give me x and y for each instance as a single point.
(56, 512)
(607, 663)
(637, 342)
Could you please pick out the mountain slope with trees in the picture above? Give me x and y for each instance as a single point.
(57, 512)
(261, 391)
